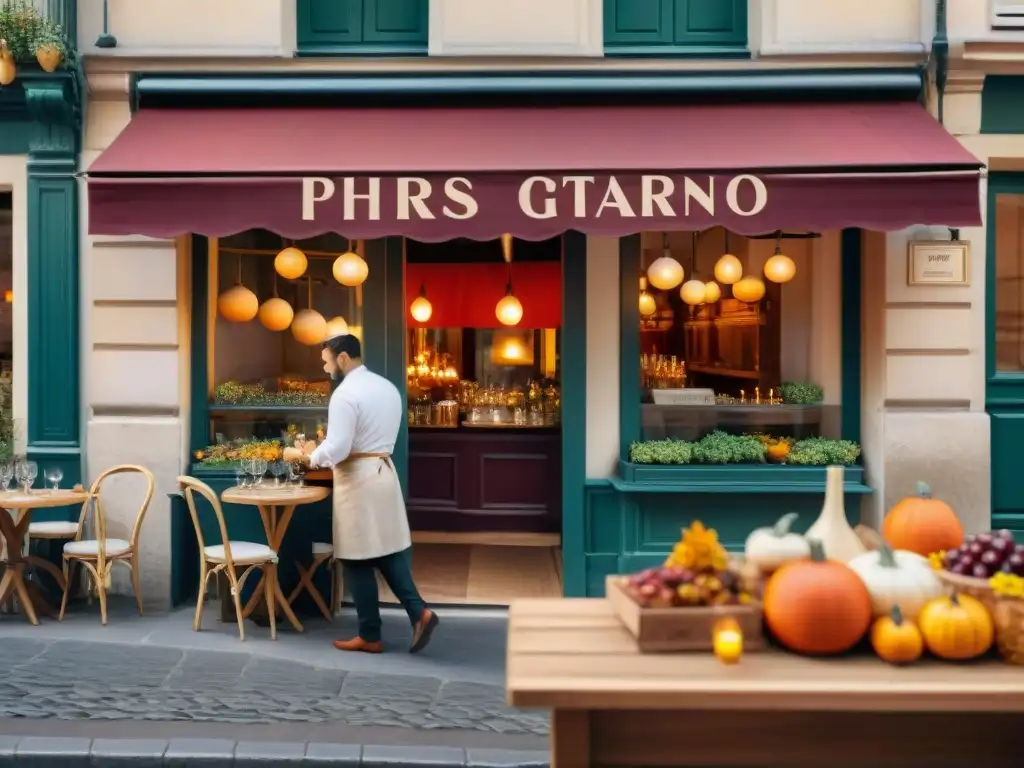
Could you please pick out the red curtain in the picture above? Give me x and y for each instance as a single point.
(464, 295)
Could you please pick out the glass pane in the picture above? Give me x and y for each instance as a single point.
(6, 328)
(268, 377)
(725, 349)
(481, 375)
(1009, 284)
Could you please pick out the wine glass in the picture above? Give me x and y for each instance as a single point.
(239, 475)
(260, 470)
(53, 477)
(247, 470)
(29, 471)
(278, 469)
(6, 474)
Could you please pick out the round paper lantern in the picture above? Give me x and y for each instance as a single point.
(290, 263)
(350, 269)
(238, 304)
(421, 309)
(647, 304)
(276, 314)
(309, 327)
(750, 289)
(336, 326)
(728, 269)
(779, 268)
(665, 273)
(712, 292)
(509, 311)
(693, 292)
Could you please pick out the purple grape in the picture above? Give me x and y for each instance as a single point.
(959, 568)
(1015, 563)
(991, 558)
(952, 558)
(1002, 546)
(1003, 533)
(980, 571)
(967, 561)
(984, 539)
(975, 548)
(1019, 549)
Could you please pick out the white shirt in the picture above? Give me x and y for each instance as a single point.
(364, 416)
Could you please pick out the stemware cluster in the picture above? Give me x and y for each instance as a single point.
(22, 471)
(250, 473)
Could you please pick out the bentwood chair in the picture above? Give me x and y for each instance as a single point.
(99, 555)
(323, 555)
(228, 557)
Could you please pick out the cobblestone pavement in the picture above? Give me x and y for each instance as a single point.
(86, 680)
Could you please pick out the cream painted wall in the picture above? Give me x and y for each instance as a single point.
(522, 28)
(190, 27)
(603, 342)
(14, 178)
(133, 362)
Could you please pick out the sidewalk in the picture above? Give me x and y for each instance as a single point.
(153, 677)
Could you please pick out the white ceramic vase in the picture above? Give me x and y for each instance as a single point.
(832, 529)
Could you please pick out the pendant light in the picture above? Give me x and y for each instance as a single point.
(309, 326)
(336, 326)
(647, 304)
(508, 310)
(238, 304)
(712, 292)
(665, 273)
(350, 269)
(779, 268)
(290, 263)
(749, 289)
(693, 291)
(275, 313)
(421, 309)
(728, 269)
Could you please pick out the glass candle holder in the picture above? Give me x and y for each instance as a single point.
(727, 640)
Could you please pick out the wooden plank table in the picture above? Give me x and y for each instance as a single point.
(612, 706)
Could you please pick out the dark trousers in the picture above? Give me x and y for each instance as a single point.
(396, 569)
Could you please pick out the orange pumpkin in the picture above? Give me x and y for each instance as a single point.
(817, 606)
(922, 524)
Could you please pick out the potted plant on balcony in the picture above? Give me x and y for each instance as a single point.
(49, 45)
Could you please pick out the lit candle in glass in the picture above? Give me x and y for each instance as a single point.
(727, 640)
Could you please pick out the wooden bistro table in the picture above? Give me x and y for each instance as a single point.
(14, 524)
(276, 506)
(612, 706)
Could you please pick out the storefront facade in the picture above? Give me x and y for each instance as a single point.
(40, 118)
(616, 515)
(857, 327)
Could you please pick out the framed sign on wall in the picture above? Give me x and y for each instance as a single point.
(939, 262)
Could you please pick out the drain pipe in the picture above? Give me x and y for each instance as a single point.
(940, 54)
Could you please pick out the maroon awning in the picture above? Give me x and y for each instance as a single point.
(436, 174)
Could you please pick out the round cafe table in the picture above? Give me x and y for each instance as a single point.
(276, 505)
(13, 527)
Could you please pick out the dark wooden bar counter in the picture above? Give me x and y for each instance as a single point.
(613, 706)
(483, 479)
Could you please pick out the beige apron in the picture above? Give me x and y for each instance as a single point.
(369, 510)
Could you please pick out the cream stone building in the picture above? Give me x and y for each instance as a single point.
(920, 391)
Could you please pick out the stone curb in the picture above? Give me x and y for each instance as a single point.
(64, 752)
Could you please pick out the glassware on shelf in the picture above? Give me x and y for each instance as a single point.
(446, 413)
(662, 371)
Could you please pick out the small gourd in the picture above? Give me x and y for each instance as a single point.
(957, 627)
(899, 577)
(832, 528)
(770, 548)
(895, 639)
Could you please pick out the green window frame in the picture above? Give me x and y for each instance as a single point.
(706, 28)
(362, 27)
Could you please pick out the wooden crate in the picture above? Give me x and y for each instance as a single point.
(660, 630)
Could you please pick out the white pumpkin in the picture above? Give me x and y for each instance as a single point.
(897, 578)
(770, 548)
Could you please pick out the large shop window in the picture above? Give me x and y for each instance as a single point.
(274, 303)
(740, 358)
(361, 27)
(1009, 283)
(6, 328)
(675, 27)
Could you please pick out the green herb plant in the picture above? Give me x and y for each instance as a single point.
(661, 452)
(235, 393)
(801, 393)
(7, 431)
(821, 452)
(722, 448)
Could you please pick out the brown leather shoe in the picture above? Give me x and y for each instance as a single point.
(360, 645)
(422, 631)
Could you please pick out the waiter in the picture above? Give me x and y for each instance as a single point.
(371, 529)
